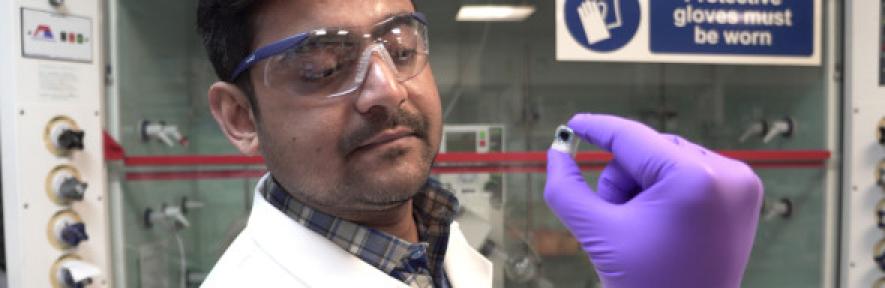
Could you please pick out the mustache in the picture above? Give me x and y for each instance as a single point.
(375, 125)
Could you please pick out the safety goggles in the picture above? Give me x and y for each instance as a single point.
(332, 62)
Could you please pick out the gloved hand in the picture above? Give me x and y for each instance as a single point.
(667, 213)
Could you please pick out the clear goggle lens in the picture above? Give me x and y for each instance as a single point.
(334, 62)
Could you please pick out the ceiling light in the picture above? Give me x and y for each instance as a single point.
(494, 12)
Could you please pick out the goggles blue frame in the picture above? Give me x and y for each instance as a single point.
(281, 46)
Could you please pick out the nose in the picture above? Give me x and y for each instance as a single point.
(381, 88)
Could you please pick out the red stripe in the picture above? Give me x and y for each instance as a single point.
(460, 158)
(777, 155)
(192, 175)
(193, 160)
(239, 174)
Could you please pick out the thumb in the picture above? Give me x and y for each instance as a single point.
(566, 192)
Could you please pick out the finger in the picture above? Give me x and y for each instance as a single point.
(586, 8)
(641, 151)
(583, 14)
(565, 191)
(615, 185)
(699, 150)
(687, 145)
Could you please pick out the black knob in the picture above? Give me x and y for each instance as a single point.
(72, 189)
(880, 259)
(71, 139)
(56, 2)
(880, 216)
(881, 175)
(73, 234)
(882, 135)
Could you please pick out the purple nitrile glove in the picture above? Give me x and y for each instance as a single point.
(668, 212)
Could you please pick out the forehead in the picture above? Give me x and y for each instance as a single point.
(277, 19)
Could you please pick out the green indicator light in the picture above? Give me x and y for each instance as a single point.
(80, 38)
(482, 134)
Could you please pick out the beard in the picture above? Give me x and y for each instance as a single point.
(393, 180)
(369, 191)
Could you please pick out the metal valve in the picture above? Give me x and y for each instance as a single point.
(880, 214)
(758, 129)
(784, 127)
(67, 230)
(880, 260)
(880, 174)
(72, 189)
(71, 272)
(166, 133)
(70, 139)
(879, 254)
(73, 234)
(881, 132)
(62, 136)
(64, 185)
(782, 208)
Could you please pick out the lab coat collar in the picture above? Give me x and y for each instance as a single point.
(307, 255)
(320, 263)
(464, 265)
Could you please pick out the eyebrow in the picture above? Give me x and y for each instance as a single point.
(394, 14)
(375, 21)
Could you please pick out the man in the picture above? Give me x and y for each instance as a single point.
(338, 97)
(347, 116)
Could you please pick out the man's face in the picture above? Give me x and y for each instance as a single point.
(369, 150)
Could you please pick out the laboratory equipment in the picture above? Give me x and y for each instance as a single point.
(480, 189)
(56, 231)
(783, 127)
(166, 133)
(63, 136)
(174, 216)
(880, 174)
(63, 185)
(67, 230)
(757, 128)
(480, 194)
(863, 242)
(780, 208)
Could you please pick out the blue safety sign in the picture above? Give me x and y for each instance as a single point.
(602, 25)
(741, 27)
(761, 32)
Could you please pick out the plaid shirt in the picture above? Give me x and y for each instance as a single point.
(415, 264)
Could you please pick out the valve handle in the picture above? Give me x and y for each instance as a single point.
(72, 189)
(71, 139)
(73, 234)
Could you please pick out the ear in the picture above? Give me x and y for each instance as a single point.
(233, 112)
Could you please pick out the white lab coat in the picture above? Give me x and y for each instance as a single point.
(275, 251)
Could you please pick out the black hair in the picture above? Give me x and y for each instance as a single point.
(227, 29)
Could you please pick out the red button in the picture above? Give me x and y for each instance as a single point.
(482, 143)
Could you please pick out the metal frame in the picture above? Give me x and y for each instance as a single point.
(862, 110)
(832, 61)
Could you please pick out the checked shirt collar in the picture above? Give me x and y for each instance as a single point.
(415, 264)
